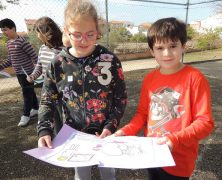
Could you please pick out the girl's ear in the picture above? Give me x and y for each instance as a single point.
(99, 35)
(65, 30)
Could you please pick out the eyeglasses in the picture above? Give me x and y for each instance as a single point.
(90, 36)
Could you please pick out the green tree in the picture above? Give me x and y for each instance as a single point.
(4, 6)
(208, 40)
(119, 34)
(1, 6)
(3, 48)
(139, 37)
(191, 33)
(34, 40)
(116, 36)
(3, 40)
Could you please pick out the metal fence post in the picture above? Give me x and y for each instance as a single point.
(187, 12)
(107, 24)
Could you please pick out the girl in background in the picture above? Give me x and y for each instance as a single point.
(51, 36)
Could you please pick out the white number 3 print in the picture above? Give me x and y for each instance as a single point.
(105, 71)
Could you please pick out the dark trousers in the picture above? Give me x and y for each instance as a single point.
(29, 96)
(160, 174)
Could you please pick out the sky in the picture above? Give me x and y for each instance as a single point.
(122, 10)
(149, 12)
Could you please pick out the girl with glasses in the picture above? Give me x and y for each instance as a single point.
(88, 79)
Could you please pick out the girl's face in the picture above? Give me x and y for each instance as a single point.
(168, 55)
(82, 34)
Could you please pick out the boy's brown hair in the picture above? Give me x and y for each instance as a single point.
(7, 23)
(167, 29)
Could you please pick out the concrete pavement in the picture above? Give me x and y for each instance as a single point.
(10, 83)
(131, 65)
(138, 64)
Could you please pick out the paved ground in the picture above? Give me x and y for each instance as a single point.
(16, 165)
(10, 83)
(132, 65)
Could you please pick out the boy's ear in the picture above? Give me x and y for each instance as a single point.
(13, 28)
(184, 48)
(152, 53)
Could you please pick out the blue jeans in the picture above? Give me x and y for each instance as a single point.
(160, 174)
(84, 173)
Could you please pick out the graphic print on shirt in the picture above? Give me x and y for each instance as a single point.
(164, 107)
(105, 72)
(105, 76)
(95, 97)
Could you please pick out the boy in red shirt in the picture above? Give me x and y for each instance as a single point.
(175, 102)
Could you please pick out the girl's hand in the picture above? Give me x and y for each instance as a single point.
(30, 78)
(165, 140)
(45, 141)
(104, 134)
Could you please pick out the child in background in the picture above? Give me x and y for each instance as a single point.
(21, 56)
(175, 102)
(50, 34)
(88, 79)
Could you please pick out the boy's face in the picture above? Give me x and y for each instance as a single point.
(9, 33)
(168, 55)
(82, 34)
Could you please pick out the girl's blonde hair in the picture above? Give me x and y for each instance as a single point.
(65, 40)
(78, 8)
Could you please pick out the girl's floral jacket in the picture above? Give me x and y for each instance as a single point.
(91, 89)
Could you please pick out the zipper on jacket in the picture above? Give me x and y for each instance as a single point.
(83, 89)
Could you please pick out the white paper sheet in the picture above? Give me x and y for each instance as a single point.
(131, 152)
(74, 149)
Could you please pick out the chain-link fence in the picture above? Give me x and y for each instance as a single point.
(124, 24)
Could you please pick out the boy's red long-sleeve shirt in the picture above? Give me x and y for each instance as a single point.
(178, 106)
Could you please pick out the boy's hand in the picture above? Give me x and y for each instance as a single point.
(119, 133)
(45, 141)
(165, 140)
